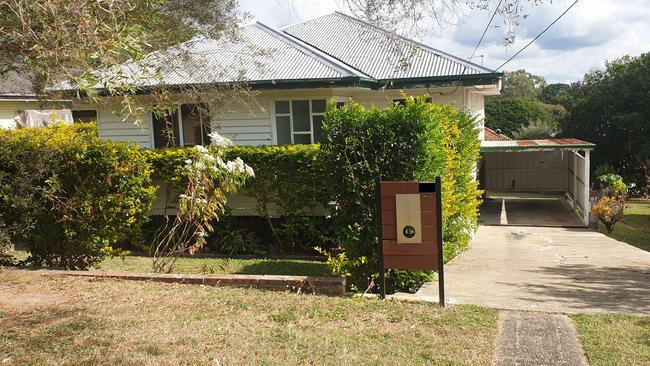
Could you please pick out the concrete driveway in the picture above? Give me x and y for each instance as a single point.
(548, 269)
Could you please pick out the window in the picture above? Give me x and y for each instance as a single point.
(84, 115)
(299, 121)
(189, 128)
(402, 101)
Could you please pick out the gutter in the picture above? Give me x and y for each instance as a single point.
(348, 81)
(589, 147)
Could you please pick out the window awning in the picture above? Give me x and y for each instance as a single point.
(536, 145)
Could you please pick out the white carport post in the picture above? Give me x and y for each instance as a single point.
(585, 199)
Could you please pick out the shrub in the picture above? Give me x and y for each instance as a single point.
(289, 189)
(208, 179)
(69, 195)
(415, 141)
(231, 239)
(609, 210)
(6, 259)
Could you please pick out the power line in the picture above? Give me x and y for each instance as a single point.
(483, 35)
(539, 35)
(485, 30)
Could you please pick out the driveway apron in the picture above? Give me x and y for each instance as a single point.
(548, 269)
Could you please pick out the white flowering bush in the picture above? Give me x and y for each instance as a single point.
(208, 180)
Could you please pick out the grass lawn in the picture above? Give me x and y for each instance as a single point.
(57, 320)
(615, 339)
(634, 228)
(217, 266)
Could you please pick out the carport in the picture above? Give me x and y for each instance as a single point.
(535, 182)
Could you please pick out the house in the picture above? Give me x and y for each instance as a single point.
(295, 70)
(333, 56)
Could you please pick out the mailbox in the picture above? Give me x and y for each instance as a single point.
(410, 226)
(408, 218)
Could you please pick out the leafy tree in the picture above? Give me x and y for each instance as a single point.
(555, 93)
(510, 115)
(556, 112)
(522, 84)
(611, 108)
(53, 41)
(535, 130)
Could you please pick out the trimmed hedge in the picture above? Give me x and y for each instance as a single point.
(415, 141)
(69, 195)
(98, 193)
(291, 183)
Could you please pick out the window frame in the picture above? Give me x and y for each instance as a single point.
(275, 114)
(179, 120)
(86, 110)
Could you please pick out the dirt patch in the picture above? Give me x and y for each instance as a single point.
(15, 294)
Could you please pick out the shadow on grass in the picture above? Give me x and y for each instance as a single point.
(638, 221)
(629, 235)
(285, 267)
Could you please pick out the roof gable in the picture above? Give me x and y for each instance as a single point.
(377, 52)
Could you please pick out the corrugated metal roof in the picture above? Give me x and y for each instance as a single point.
(532, 145)
(331, 49)
(260, 53)
(377, 52)
(13, 84)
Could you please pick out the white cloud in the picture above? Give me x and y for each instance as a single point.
(590, 33)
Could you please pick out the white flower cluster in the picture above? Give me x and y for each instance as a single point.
(206, 161)
(218, 140)
(238, 166)
(193, 199)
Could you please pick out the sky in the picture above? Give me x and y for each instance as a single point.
(592, 32)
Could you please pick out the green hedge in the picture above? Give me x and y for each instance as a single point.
(291, 183)
(416, 141)
(98, 193)
(69, 195)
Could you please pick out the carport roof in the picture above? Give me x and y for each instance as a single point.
(536, 145)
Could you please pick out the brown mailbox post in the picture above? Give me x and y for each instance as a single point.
(410, 228)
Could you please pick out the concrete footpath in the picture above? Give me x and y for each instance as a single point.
(549, 270)
(536, 339)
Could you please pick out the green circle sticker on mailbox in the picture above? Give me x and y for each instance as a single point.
(409, 231)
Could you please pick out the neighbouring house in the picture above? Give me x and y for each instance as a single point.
(296, 69)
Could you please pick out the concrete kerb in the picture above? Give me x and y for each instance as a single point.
(298, 284)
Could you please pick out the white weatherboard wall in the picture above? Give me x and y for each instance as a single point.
(538, 171)
(113, 127)
(255, 124)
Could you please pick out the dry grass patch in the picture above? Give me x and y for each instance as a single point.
(136, 323)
